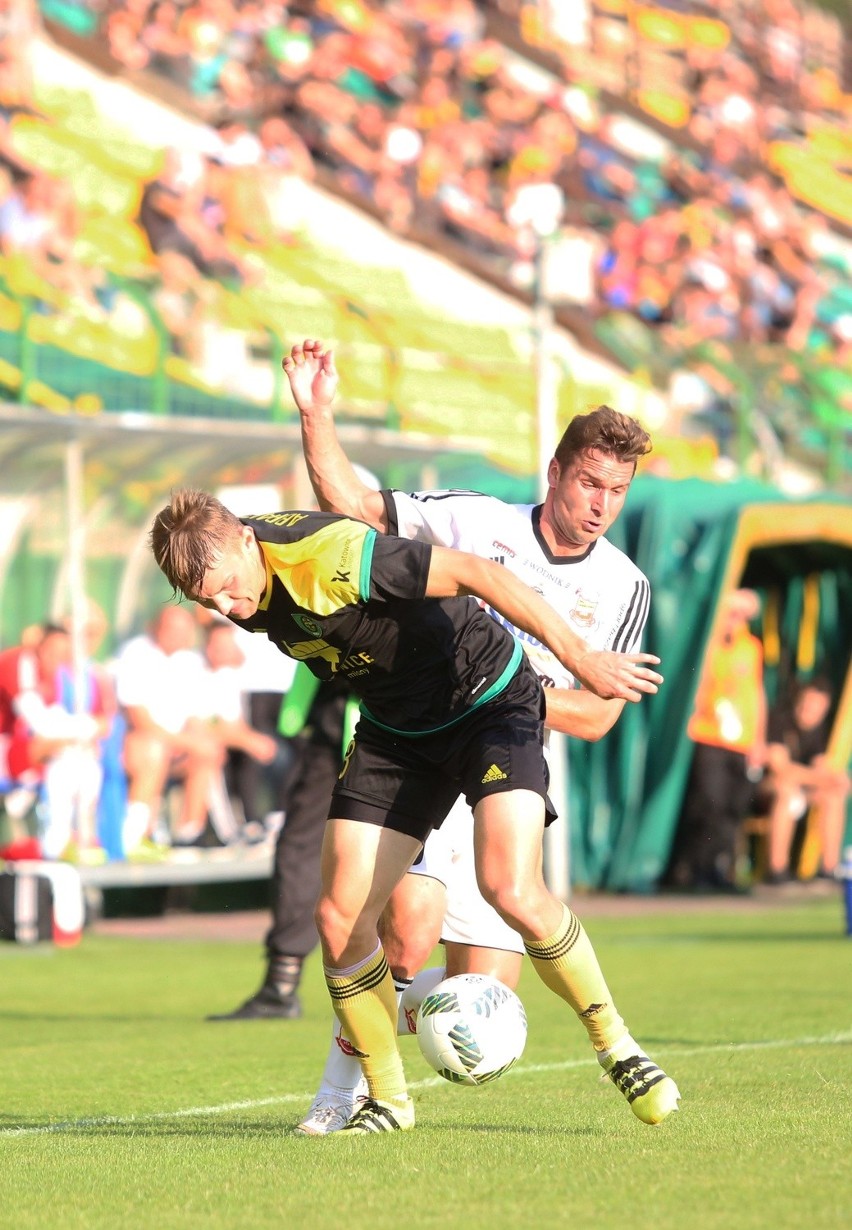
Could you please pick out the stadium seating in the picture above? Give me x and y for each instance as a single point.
(406, 361)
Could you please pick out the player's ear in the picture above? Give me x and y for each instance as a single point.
(553, 473)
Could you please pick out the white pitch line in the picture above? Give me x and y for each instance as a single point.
(191, 1112)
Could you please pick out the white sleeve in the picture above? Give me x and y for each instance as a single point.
(626, 635)
(443, 518)
(132, 674)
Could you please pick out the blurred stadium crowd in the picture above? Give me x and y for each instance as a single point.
(169, 744)
(681, 165)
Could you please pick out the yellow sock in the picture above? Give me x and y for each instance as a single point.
(566, 963)
(364, 999)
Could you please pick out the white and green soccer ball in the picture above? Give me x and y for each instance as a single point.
(471, 1029)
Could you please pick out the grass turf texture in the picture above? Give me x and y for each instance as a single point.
(122, 1106)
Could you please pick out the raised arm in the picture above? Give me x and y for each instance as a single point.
(313, 383)
(622, 676)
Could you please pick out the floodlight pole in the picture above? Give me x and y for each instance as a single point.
(76, 568)
(557, 835)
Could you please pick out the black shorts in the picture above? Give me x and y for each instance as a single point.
(410, 784)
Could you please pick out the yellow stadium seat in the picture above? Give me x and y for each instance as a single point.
(25, 283)
(59, 152)
(10, 315)
(115, 243)
(40, 394)
(41, 144)
(59, 100)
(112, 148)
(97, 341)
(11, 377)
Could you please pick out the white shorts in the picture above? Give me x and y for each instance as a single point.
(448, 857)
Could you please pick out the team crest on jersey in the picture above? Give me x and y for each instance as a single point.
(308, 625)
(585, 608)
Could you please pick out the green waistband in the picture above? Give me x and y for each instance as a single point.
(506, 675)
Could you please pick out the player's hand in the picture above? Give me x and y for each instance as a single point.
(312, 374)
(619, 676)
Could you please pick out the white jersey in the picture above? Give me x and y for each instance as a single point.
(601, 594)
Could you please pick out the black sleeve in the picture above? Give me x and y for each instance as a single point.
(399, 568)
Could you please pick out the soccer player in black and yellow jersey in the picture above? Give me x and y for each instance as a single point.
(447, 695)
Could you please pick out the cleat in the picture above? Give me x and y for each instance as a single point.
(651, 1095)
(330, 1111)
(148, 851)
(265, 1005)
(373, 1116)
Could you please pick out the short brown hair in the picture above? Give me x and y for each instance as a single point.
(188, 535)
(607, 430)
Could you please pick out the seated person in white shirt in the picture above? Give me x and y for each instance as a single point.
(159, 686)
(227, 705)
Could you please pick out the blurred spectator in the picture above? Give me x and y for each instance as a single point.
(437, 128)
(728, 731)
(47, 747)
(159, 684)
(183, 301)
(17, 25)
(285, 166)
(799, 778)
(39, 222)
(267, 677)
(179, 214)
(226, 704)
(90, 688)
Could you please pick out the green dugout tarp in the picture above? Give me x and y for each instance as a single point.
(695, 540)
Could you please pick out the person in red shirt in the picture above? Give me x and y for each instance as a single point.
(44, 745)
(29, 682)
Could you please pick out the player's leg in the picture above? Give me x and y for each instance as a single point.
(508, 848)
(474, 937)
(361, 865)
(409, 929)
(146, 762)
(829, 797)
(785, 808)
(292, 935)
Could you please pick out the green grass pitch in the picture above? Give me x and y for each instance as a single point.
(121, 1107)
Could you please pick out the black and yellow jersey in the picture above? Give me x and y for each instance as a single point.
(339, 598)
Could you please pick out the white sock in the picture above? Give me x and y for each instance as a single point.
(414, 994)
(342, 1072)
(136, 820)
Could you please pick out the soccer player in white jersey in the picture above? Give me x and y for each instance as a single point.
(558, 549)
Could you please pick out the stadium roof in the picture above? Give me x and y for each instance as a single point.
(81, 489)
(155, 453)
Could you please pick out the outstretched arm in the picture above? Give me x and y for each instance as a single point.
(313, 383)
(622, 676)
(580, 713)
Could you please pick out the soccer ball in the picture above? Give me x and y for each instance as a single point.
(471, 1029)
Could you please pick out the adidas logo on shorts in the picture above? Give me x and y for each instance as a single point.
(494, 775)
